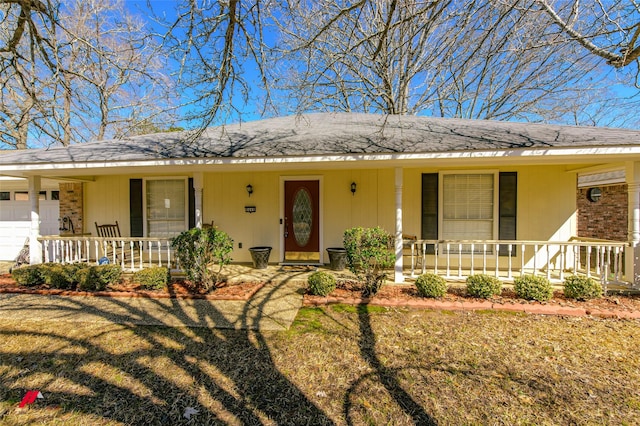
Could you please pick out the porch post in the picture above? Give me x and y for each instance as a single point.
(632, 253)
(197, 186)
(398, 275)
(35, 247)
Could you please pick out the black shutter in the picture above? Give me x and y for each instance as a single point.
(135, 208)
(192, 204)
(429, 208)
(507, 207)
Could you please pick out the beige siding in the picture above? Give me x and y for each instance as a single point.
(106, 200)
(546, 203)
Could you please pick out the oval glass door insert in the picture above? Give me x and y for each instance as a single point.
(302, 217)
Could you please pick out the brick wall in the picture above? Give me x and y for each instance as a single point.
(71, 207)
(606, 218)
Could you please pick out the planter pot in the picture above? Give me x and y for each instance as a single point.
(260, 256)
(337, 258)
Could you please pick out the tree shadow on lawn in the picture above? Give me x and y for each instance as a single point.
(387, 377)
(164, 373)
(139, 374)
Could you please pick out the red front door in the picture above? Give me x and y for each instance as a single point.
(301, 220)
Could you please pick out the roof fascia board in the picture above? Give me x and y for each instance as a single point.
(573, 153)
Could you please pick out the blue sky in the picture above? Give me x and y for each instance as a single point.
(166, 8)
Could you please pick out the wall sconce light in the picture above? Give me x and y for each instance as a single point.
(249, 190)
(353, 188)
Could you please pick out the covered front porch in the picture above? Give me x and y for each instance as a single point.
(453, 259)
(610, 262)
(459, 196)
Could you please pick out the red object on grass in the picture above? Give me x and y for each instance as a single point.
(29, 398)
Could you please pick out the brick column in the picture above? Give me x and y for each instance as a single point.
(71, 208)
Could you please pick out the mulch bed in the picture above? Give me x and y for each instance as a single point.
(406, 295)
(349, 292)
(177, 289)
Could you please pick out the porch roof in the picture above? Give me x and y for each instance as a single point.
(328, 134)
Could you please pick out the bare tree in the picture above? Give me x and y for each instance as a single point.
(81, 70)
(76, 70)
(451, 58)
(606, 29)
(220, 49)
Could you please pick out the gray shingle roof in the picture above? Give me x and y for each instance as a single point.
(332, 133)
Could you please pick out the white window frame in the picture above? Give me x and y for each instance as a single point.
(496, 193)
(145, 219)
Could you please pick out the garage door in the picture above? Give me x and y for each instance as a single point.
(15, 220)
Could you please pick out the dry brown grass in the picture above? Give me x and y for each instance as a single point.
(336, 365)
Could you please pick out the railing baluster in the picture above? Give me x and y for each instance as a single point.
(522, 249)
(535, 260)
(588, 260)
(548, 261)
(448, 259)
(436, 252)
(133, 265)
(619, 253)
(497, 256)
(509, 249)
(459, 259)
(472, 255)
(563, 249)
(484, 258)
(46, 252)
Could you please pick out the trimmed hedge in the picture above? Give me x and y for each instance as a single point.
(27, 275)
(55, 275)
(321, 283)
(98, 277)
(483, 286)
(431, 285)
(531, 287)
(154, 278)
(582, 288)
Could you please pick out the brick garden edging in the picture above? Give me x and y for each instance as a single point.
(473, 305)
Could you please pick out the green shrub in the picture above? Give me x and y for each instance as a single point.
(484, 286)
(27, 275)
(321, 283)
(153, 278)
(55, 275)
(369, 252)
(72, 270)
(198, 249)
(531, 287)
(85, 278)
(582, 288)
(431, 285)
(98, 277)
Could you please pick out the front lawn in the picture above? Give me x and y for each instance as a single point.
(336, 365)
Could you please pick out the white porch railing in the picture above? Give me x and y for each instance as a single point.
(131, 253)
(602, 260)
